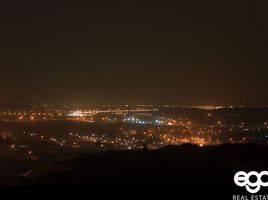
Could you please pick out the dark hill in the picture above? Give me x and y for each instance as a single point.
(185, 166)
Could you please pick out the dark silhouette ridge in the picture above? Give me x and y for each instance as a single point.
(185, 166)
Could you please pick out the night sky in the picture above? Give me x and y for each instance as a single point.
(134, 52)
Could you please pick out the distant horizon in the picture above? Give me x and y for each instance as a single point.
(126, 105)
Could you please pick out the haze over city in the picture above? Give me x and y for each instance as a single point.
(134, 52)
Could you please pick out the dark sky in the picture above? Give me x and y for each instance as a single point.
(129, 52)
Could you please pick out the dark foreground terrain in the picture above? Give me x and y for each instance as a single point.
(186, 166)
